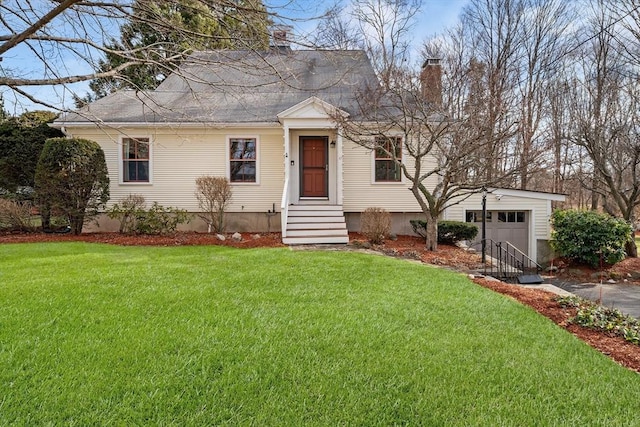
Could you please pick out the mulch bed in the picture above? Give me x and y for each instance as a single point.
(623, 352)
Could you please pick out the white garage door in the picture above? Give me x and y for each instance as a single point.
(504, 226)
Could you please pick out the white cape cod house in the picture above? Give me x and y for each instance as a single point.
(264, 121)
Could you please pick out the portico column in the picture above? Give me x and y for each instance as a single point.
(339, 166)
(287, 154)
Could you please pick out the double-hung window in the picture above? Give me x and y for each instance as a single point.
(388, 151)
(135, 159)
(242, 159)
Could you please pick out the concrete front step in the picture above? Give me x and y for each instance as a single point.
(315, 240)
(315, 224)
(315, 213)
(337, 225)
(317, 232)
(315, 208)
(315, 219)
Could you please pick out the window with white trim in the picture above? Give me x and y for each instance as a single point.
(388, 149)
(242, 160)
(135, 160)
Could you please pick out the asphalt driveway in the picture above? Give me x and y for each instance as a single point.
(624, 297)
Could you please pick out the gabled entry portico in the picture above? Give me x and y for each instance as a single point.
(312, 173)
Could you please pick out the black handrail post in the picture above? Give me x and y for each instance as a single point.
(484, 225)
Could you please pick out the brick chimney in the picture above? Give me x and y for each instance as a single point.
(280, 37)
(431, 81)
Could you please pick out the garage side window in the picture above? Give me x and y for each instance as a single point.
(135, 159)
(511, 216)
(476, 216)
(242, 159)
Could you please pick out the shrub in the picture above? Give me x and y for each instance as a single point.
(134, 218)
(127, 212)
(449, 232)
(589, 237)
(16, 215)
(419, 227)
(595, 316)
(21, 142)
(71, 177)
(213, 194)
(375, 224)
(160, 220)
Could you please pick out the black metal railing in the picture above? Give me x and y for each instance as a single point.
(506, 262)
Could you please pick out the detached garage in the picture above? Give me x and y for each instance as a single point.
(516, 216)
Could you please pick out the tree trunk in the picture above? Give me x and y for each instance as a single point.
(432, 234)
(630, 248)
(76, 222)
(45, 215)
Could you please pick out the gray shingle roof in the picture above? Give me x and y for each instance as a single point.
(239, 87)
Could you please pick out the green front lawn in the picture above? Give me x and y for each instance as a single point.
(96, 334)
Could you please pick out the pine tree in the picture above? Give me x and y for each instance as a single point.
(160, 34)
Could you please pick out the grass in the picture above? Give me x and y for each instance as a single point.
(98, 334)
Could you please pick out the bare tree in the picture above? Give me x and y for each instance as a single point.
(386, 26)
(493, 29)
(429, 134)
(68, 40)
(606, 101)
(337, 31)
(543, 44)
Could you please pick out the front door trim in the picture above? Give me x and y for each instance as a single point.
(314, 190)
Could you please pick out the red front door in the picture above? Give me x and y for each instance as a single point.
(314, 166)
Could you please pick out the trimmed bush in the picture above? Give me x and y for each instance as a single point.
(589, 237)
(375, 224)
(71, 177)
(449, 232)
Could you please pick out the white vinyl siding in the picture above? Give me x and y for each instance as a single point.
(360, 192)
(538, 208)
(179, 159)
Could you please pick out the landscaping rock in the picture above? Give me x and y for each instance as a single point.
(236, 236)
(411, 254)
(221, 237)
(255, 236)
(361, 244)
